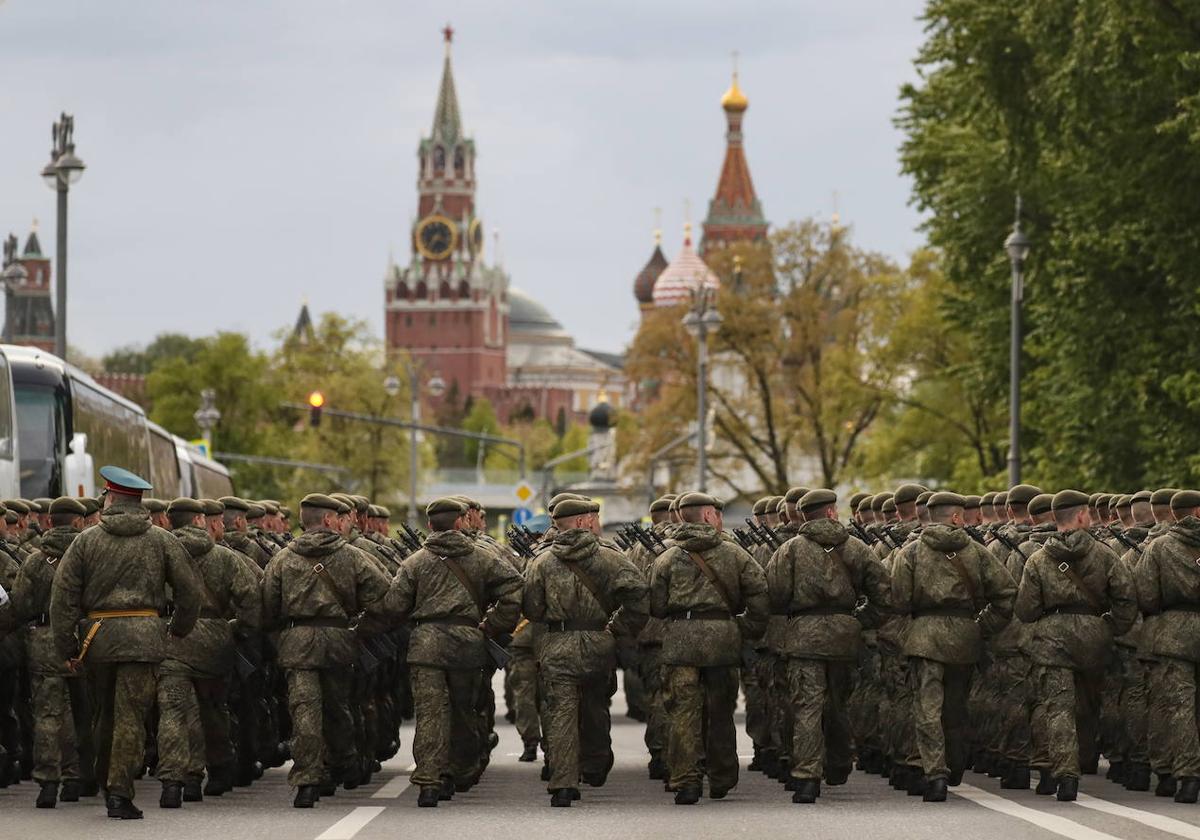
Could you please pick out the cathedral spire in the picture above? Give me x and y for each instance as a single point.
(447, 123)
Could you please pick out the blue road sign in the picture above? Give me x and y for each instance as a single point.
(521, 515)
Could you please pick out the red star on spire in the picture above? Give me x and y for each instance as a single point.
(448, 33)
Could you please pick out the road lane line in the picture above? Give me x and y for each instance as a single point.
(1162, 823)
(352, 823)
(394, 786)
(1050, 822)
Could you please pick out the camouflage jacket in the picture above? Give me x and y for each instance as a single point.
(1168, 586)
(426, 591)
(893, 628)
(31, 600)
(1067, 631)
(385, 552)
(293, 593)
(1015, 638)
(554, 593)
(643, 558)
(815, 580)
(243, 543)
(1146, 632)
(677, 586)
(385, 563)
(263, 540)
(230, 591)
(948, 622)
(124, 563)
(1136, 534)
(10, 643)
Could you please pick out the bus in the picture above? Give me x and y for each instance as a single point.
(58, 427)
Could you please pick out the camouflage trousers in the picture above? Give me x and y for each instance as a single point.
(779, 712)
(578, 727)
(899, 733)
(1010, 681)
(1180, 685)
(865, 706)
(447, 741)
(940, 715)
(656, 714)
(1159, 740)
(1111, 741)
(1055, 719)
(523, 679)
(699, 704)
(193, 727)
(55, 756)
(123, 694)
(983, 709)
(1134, 711)
(629, 660)
(322, 726)
(758, 721)
(818, 695)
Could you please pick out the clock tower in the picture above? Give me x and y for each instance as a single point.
(446, 307)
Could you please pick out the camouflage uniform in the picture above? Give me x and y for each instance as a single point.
(650, 642)
(318, 648)
(446, 652)
(577, 655)
(702, 647)
(193, 724)
(943, 642)
(1070, 640)
(11, 656)
(243, 543)
(898, 736)
(816, 580)
(123, 564)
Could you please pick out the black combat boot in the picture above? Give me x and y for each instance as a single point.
(192, 792)
(898, 777)
(219, 781)
(1047, 784)
(1166, 785)
(48, 795)
(1017, 778)
(806, 791)
(428, 797)
(446, 789)
(689, 795)
(172, 795)
(546, 770)
(1068, 789)
(89, 787)
(1116, 772)
(935, 790)
(755, 762)
(70, 791)
(530, 753)
(120, 808)
(1137, 776)
(1189, 790)
(563, 797)
(657, 768)
(327, 787)
(837, 776)
(306, 796)
(917, 783)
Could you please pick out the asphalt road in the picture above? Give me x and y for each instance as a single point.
(511, 804)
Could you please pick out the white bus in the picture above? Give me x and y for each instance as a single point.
(58, 427)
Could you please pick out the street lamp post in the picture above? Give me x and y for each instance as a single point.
(63, 170)
(1017, 245)
(701, 319)
(207, 416)
(436, 386)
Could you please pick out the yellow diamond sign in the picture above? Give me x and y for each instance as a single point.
(524, 492)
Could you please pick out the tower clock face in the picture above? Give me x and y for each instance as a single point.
(436, 237)
(475, 237)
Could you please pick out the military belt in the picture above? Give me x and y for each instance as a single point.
(340, 623)
(945, 612)
(1192, 608)
(1071, 611)
(575, 626)
(101, 614)
(450, 620)
(701, 615)
(820, 611)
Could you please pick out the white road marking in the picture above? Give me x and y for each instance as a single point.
(1167, 824)
(1050, 822)
(349, 825)
(394, 786)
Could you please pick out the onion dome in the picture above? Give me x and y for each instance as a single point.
(686, 274)
(602, 416)
(734, 99)
(643, 284)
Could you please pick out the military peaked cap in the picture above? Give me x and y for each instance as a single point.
(1141, 496)
(255, 511)
(1000, 499)
(660, 505)
(760, 506)
(17, 506)
(1094, 499)
(923, 498)
(270, 506)
(987, 499)
(91, 503)
(889, 505)
(864, 504)
(43, 505)
(154, 505)
(121, 480)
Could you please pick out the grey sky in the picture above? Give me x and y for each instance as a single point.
(246, 154)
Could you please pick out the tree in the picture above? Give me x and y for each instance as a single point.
(133, 359)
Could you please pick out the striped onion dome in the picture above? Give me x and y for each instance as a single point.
(686, 274)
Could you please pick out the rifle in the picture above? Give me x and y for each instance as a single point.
(517, 540)
(622, 542)
(890, 539)
(763, 534)
(743, 539)
(416, 536)
(408, 542)
(998, 534)
(974, 534)
(649, 539)
(1124, 540)
(862, 533)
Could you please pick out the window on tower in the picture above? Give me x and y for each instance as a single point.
(422, 290)
(459, 163)
(444, 291)
(439, 159)
(464, 290)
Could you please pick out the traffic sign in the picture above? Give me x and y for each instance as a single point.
(522, 515)
(524, 491)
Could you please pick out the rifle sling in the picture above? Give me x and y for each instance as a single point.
(590, 585)
(457, 570)
(966, 579)
(707, 571)
(323, 574)
(1093, 601)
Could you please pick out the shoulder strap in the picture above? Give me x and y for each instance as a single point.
(324, 575)
(836, 552)
(590, 585)
(208, 592)
(703, 566)
(456, 568)
(1086, 591)
(957, 563)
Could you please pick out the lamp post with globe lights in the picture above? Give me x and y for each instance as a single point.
(63, 170)
(1017, 246)
(701, 320)
(436, 386)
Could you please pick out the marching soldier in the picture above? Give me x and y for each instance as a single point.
(237, 530)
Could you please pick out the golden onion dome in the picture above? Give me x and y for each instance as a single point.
(734, 99)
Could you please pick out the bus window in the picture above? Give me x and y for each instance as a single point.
(211, 484)
(6, 424)
(164, 464)
(43, 440)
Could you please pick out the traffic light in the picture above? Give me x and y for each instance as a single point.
(315, 400)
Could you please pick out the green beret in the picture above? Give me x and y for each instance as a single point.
(270, 506)
(794, 494)
(315, 500)
(11, 517)
(689, 500)
(1040, 504)
(361, 503)
(971, 502)
(66, 504)
(661, 504)
(906, 493)
(889, 505)
(878, 499)
(1123, 501)
(373, 511)
(1140, 496)
(91, 503)
(212, 507)
(154, 505)
(864, 504)
(384, 512)
(760, 506)
(923, 498)
(944, 498)
(780, 505)
(1000, 499)
(1105, 500)
(674, 505)
(816, 499)
(1163, 496)
(670, 497)
(234, 503)
(186, 505)
(1094, 499)
(1185, 500)
(558, 497)
(575, 507)
(285, 511)
(446, 504)
(345, 499)
(17, 506)
(472, 504)
(855, 499)
(1067, 499)
(255, 511)
(43, 504)
(1022, 493)
(987, 499)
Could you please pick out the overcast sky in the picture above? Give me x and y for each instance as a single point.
(245, 155)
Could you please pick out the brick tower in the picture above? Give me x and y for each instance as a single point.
(28, 313)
